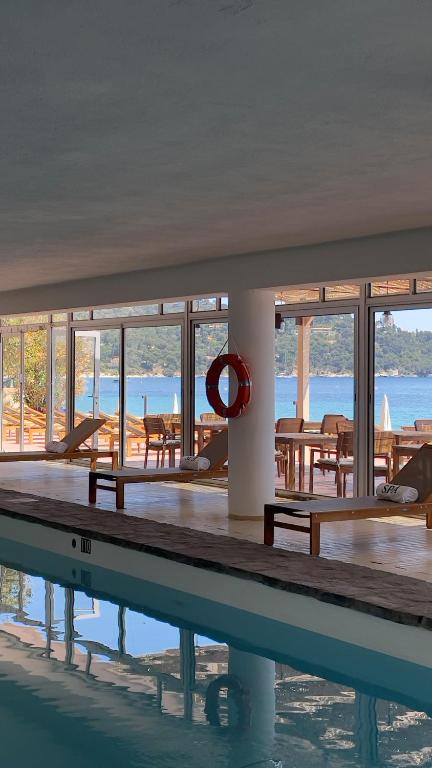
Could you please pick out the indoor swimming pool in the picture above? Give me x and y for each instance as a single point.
(163, 680)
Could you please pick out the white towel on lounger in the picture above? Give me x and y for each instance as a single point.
(194, 463)
(400, 494)
(56, 446)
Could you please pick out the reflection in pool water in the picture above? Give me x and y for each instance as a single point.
(87, 682)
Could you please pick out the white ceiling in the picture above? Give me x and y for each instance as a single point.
(144, 134)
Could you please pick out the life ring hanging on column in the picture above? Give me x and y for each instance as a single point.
(244, 386)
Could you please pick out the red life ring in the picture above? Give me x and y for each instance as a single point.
(244, 385)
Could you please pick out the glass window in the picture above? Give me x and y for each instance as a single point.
(25, 319)
(210, 338)
(346, 291)
(59, 382)
(135, 311)
(423, 286)
(390, 287)
(297, 295)
(60, 317)
(224, 302)
(82, 315)
(35, 389)
(402, 386)
(204, 305)
(175, 306)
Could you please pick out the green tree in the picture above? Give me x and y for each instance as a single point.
(15, 590)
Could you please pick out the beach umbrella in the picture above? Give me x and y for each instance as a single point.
(176, 408)
(385, 423)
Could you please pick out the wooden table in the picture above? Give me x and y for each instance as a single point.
(407, 443)
(299, 441)
(411, 436)
(208, 426)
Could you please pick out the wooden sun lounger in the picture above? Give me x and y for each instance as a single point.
(417, 473)
(73, 439)
(216, 451)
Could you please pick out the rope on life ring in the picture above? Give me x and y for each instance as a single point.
(237, 693)
(244, 386)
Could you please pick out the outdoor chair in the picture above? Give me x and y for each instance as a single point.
(74, 439)
(216, 451)
(172, 423)
(343, 462)
(329, 426)
(159, 440)
(286, 424)
(423, 425)
(383, 444)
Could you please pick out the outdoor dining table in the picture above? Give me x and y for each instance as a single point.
(407, 443)
(208, 426)
(299, 441)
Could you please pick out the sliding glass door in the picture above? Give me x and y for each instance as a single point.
(59, 380)
(97, 382)
(209, 339)
(315, 393)
(153, 388)
(12, 436)
(25, 390)
(401, 387)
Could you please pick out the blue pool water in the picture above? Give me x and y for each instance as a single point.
(409, 397)
(89, 678)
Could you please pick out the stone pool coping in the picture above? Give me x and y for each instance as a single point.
(382, 594)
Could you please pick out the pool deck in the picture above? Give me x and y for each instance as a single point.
(386, 595)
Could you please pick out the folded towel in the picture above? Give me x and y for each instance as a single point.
(56, 446)
(195, 463)
(400, 494)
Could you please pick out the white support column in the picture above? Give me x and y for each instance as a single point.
(257, 677)
(251, 436)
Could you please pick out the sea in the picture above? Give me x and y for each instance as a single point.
(409, 397)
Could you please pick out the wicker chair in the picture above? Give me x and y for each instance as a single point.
(290, 424)
(172, 423)
(383, 444)
(329, 426)
(286, 424)
(159, 441)
(343, 463)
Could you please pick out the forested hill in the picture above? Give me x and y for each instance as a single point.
(156, 350)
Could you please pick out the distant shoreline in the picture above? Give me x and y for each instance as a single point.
(277, 376)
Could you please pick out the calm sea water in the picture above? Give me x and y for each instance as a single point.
(409, 397)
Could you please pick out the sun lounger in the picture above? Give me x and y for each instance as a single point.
(73, 440)
(216, 451)
(417, 473)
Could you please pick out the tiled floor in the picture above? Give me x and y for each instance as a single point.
(400, 545)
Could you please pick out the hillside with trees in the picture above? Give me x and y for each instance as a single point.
(156, 350)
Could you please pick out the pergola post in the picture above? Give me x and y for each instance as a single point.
(251, 436)
(304, 325)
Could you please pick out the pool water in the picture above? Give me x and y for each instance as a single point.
(88, 680)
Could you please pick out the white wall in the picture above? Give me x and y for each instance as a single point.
(389, 254)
